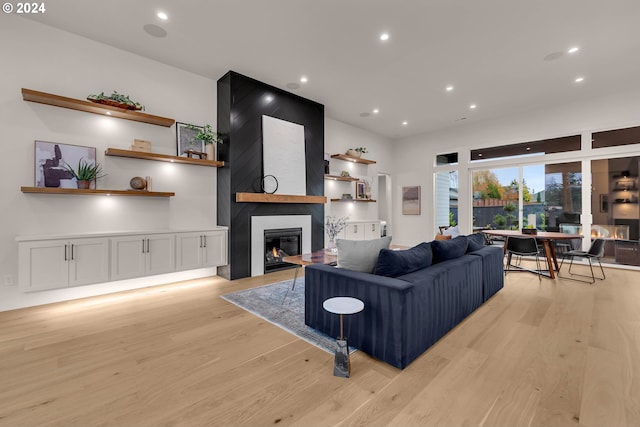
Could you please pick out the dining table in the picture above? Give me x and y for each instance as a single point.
(546, 238)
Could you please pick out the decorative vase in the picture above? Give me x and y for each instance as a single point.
(332, 249)
(210, 149)
(84, 184)
(354, 153)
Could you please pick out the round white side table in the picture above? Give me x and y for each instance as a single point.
(342, 306)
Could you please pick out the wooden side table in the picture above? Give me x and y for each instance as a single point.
(342, 306)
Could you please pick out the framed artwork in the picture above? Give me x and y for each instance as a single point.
(187, 144)
(411, 200)
(360, 190)
(51, 159)
(283, 155)
(604, 203)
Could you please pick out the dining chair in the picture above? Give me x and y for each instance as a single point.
(523, 246)
(596, 251)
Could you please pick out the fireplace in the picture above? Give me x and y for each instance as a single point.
(278, 244)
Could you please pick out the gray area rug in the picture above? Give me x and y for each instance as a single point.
(283, 307)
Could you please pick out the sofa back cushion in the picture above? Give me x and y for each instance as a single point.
(444, 250)
(476, 242)
(397, 263)
(360, 255)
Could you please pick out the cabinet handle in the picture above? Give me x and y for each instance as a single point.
(142, 245)
(205, 241)
(148, 250)
(355, 228)
(373, 227)
(65, 252)
(200, 240)
(72, 252)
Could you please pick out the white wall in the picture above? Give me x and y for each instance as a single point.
(414, 157)
(39, 57)
(338, 138)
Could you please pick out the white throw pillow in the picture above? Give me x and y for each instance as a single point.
(452, 231)
(360, 255)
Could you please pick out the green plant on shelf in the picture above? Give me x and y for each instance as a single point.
(85, 171)
(116, 99)
(205, 134)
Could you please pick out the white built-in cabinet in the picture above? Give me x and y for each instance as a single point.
(57, 262)
(142, 255)
(197, 250)
(360, 230)
(61, 263)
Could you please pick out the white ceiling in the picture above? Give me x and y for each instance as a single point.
(492, 51)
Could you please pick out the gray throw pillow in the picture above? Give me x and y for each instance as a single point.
(360, 255)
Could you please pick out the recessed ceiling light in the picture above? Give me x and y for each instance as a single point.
(303, 79)
(384, 36)
(162, 16)
(579, 79)
(449, 88)
(405, 123)
(479, 154)
(376, 111)
(574, 49)
(473, 106)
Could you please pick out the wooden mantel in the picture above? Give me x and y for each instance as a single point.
(277, 198)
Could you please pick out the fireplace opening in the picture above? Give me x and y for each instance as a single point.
(279, 243)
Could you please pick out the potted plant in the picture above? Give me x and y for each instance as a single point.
(116, 100)
(85, 173)
(208, 137)
(356, 152)
(332, 227)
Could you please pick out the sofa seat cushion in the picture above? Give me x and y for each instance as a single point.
(360, 255)
(392, 263)
(444, 250)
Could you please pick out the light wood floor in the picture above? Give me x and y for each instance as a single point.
(549, 353)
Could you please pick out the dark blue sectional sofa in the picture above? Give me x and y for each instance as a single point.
(415, 297)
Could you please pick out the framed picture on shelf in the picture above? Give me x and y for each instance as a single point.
(411, 200)
(604, 203)
(361, 190)
(52, 158)
(187, 144)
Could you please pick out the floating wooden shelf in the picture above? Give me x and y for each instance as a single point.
(161, 157)
(354, 200)
(277, 198)
(92, 107)
(93, 192)
(353, 159)
(340, 178)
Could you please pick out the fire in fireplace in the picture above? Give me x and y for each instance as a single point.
(279, 243)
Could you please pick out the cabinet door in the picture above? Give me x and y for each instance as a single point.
(43, 265)
(353, 232)
(215, 249)
(88, 261)
(128, 257)
(161, 254)
(188, 251)
(371, 230)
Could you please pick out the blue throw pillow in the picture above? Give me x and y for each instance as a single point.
(476, 241)
(397, 263)
(444, 250)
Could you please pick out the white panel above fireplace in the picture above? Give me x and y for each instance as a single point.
(283, 155)
(261, 223)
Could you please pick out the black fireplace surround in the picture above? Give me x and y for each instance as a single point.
(242, 101)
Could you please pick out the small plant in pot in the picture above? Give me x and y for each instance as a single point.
(208, 137)
(85, 173)
(356, 152)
